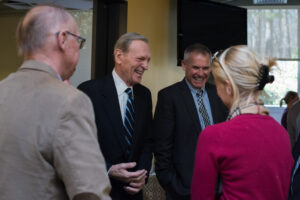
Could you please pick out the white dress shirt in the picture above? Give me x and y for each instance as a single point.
(122, 95)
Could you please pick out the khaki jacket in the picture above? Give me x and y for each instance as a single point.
(48, 143)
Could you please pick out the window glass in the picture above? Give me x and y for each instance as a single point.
(273, 32)
(84, 19)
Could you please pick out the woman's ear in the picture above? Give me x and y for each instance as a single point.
(228, 87)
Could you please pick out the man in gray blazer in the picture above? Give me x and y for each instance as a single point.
(48, 143)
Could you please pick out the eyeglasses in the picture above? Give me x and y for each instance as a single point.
(216, 61)
(217, 55)
(80, 40)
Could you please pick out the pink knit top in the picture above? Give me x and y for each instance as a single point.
(252, 154)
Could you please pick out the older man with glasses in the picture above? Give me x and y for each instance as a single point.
(48, 141)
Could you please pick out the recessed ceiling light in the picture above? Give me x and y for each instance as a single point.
(270, 1)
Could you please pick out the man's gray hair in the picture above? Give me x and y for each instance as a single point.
(125, 40)
(32, 31)
(196, 48)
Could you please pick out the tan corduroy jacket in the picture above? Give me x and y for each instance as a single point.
(48, 143)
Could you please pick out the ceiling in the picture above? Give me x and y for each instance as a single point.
(250, 2)
(8, 6)
(21, 5)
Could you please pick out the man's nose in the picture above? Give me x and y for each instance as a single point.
(200, 72)
(145, 65)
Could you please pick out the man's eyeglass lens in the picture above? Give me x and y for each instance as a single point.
(80, 40)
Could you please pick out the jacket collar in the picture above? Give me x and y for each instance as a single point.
(38, 66)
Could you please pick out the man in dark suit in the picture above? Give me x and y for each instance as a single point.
(295, 179)
(183, 110)
(124, 120)
(292, 122)
(294, 193)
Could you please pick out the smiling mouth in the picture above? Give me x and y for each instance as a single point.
(198, 79)
(140, 72)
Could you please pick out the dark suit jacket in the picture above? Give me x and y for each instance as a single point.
(291, 122)
(103, 95)
(295, 185)
(177, 128)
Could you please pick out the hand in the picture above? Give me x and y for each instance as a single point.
(120, 172)
(136, 185)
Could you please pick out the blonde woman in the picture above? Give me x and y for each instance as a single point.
(250, 151)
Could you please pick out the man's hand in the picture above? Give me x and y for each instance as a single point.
(135, 179)
(136, 185)
(120, 172)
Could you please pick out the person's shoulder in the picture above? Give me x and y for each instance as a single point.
(62, 93)
(173, 87)
(218, 126)
(211, 87)
(68, 99)
(67, 90)
(139, 88)
(90, 83)
(296, 106)
(293, 112)
(97, 84)
(215, 132)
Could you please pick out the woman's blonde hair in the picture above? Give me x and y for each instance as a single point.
(245, 71)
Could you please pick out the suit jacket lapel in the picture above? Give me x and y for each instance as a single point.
(190, 104)
(113, 109)
(139, 108)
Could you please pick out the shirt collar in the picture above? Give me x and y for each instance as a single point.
(120, 84)
(40, 66)
(59, 77)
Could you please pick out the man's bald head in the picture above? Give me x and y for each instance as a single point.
(35, 27)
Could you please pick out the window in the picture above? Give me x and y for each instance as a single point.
(84, 19)
(274, 33)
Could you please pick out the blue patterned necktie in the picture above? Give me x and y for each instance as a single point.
(129, 118)
(202, 108)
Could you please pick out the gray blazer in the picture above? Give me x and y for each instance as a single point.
(48, 143)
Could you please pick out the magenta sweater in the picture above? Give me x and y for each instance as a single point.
(253, 155)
